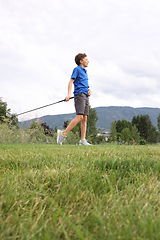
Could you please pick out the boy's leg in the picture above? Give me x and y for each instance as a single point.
(83, 131)
(61, 134)
(79, 101)
(84, 124)
(72, 124)
(83, 127)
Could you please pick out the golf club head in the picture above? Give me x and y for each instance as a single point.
(8, 114)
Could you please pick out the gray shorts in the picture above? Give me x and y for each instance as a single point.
(81, 102)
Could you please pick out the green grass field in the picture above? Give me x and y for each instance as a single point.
(79, 192)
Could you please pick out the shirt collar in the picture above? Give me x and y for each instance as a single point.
(82, 68)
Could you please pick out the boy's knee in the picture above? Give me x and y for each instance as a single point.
(84, 118)
(80, 117)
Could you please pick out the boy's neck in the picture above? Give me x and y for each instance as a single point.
(82, 66)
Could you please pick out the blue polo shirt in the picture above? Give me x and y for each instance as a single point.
(80, 80)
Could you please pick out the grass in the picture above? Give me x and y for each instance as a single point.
(79, 192)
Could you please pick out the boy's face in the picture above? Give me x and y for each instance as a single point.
(84, 62)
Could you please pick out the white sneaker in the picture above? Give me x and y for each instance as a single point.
(60, 137)
(84, 142)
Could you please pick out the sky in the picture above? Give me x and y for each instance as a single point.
(40, 39)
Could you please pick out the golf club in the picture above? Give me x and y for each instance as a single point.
(9, 115)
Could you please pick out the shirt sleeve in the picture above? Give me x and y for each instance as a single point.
(74, 73)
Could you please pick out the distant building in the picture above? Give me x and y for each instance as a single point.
(105, 134)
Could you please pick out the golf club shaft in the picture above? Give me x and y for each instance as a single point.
(42, 107)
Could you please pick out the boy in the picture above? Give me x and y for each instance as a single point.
(81, 99)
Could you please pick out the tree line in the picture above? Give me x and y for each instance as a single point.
(40, 132)
(139, 131)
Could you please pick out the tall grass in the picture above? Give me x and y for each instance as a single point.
(15, 134)
(79, 192)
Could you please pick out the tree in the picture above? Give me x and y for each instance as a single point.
(135, 136)
(91, 131)
(158, 123)
(153, 135)
(143, 123)
(14, 120)
(125, 135)
(135, 121)
(3, 119)
(122, 124)
(3, 109)
(113, 132)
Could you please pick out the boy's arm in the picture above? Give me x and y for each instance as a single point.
(69, 89)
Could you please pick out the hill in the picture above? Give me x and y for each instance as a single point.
(105, 116)
(108, 114)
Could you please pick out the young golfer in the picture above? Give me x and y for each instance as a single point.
(81, 99)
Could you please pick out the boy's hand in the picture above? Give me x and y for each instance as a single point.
(89, 92)
(67, 98)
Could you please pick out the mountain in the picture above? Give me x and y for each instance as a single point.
(105, 116)
(108, 114)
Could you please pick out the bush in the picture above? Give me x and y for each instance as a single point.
(37, 134)
(12, 134)
(72, 138)
(142, 142)
(33, 134)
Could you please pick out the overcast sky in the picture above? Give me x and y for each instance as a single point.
(39, 40)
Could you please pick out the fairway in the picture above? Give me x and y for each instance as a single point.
(79, 192)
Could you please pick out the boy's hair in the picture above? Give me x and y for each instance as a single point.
(79, 57)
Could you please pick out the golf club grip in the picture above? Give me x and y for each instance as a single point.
(43, 106)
